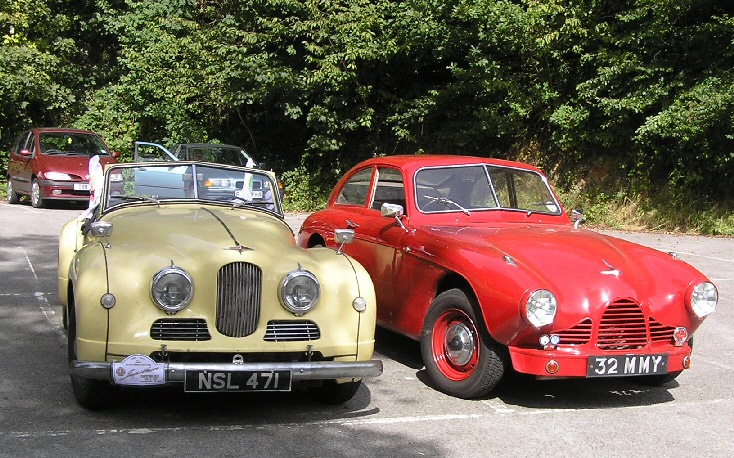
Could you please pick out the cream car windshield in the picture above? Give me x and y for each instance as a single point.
(157, 182)
(482, 187)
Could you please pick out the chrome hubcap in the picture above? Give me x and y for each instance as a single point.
(35, 193)
(459, 344)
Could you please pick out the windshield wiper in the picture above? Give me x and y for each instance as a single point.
(447, 202)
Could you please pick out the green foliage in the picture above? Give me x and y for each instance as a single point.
(303, 191)
(312, 87)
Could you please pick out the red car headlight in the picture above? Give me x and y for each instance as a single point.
(540, 308)
(702, 299)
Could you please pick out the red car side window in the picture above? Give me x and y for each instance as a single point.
(389, 188)
(356, 190)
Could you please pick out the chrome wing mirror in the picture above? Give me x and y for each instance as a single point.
(343, 237)
(395, 211)
(101, 229)
(577, 215)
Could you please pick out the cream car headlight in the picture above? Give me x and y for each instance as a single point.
(299, 291)
(540, 308)
(702, 299)
(172, 289)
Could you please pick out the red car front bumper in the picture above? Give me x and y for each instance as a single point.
(570, 362)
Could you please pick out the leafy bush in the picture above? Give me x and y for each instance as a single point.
(303, 191)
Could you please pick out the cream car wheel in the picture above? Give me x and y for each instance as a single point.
(333, 393)
(90, 394)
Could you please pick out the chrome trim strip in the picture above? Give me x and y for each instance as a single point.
(315, 370)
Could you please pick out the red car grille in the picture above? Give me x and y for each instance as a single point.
(239, 286)
(623, 326)
(577, 335)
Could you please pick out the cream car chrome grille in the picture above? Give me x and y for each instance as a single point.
(291, 331)
(239, 287)
(180, 329)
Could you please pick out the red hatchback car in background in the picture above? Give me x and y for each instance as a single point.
(477, 259)
(53, 164)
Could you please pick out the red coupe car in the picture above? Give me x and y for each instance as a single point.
(477, 259)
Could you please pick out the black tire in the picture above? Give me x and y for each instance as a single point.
(333, 393)
(90, 394)
(13, 197)
(36, 199)
(460, 357)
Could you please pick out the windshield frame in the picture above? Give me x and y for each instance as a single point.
(216, 184)
(548, 204)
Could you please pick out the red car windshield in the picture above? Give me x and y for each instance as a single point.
(482, 187)
(71, 144)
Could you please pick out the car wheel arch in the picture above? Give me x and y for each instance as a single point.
(316, 240)
(473, 374)
(453, 280)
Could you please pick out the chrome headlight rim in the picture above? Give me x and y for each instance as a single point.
(288, 295)
(540, 307)
(157, 287)
(702, 298)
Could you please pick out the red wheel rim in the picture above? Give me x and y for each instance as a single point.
(455, 345)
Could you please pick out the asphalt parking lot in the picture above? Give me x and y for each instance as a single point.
(397, 414)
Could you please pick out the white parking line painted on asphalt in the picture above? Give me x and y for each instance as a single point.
(715, 258)
(50, 315)
(342, 422)
(30, 264)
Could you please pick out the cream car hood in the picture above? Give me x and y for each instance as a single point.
(197, 230)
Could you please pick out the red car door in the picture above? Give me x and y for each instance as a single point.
(21, 159)
(378, 238)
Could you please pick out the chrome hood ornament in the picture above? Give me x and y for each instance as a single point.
(612, 271)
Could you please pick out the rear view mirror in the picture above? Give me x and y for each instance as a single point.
(577, 215)
(342, 237)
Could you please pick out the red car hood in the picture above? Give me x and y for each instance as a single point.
(73, 165)
(581, 267)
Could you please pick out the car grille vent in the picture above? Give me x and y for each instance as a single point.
(659, 332)
(239, 286)
(180, 329)
(622, 327)
(577, 335)
(291, 331)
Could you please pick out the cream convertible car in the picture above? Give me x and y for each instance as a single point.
(187, 274)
